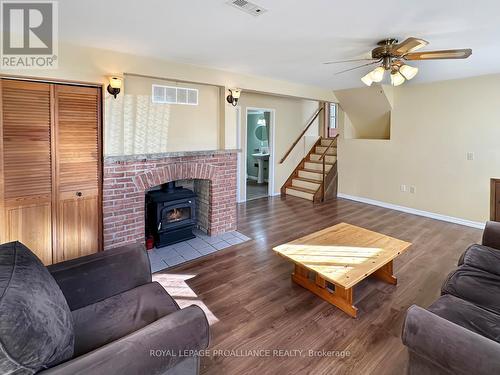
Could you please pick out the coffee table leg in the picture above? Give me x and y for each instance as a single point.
(385, 273)
(340, 297)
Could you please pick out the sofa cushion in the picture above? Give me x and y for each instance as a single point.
(468, 315)
(482, 257)
(474, 285)
(36, 327)
(108, 320)
(95, 277)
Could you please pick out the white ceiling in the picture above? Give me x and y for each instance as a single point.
(293, 38)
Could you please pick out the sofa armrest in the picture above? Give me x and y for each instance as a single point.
(482, 257)
(448, 345)
(95, 277)
(491, 235)
(151, 350)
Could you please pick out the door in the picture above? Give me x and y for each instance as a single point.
(497, 195)
(77, 171)
(26, 191)
(495, 199)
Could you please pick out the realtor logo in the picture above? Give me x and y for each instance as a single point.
(29, 35)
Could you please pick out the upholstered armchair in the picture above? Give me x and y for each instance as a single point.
(99, 314)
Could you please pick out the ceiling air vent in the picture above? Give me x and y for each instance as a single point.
(247, 7)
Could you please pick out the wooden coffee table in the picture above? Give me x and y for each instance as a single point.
(332, 261)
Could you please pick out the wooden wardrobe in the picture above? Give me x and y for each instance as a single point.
(51, 168)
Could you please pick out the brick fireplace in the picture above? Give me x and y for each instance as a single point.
(127, 179)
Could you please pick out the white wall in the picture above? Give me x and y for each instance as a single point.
(136, 125)
(291, 117)
(77, 63)
(367, 110)
(433, 127)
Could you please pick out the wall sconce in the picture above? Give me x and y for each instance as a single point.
(115, 85)
(234, 96)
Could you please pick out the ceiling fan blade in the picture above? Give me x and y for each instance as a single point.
(357, 67)
(409, 45)
(436, 55)
(346, 61)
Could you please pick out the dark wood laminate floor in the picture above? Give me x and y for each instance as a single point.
(252, 304)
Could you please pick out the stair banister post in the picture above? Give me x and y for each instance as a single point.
(323, 158)
(323, 184)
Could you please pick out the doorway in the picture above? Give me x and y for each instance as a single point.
(258, 156)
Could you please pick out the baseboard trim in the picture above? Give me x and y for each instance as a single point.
(432, 215)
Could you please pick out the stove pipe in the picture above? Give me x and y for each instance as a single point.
(169, 186)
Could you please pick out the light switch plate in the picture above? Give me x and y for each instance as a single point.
(403, 188)
(470, 155)
(413, 189)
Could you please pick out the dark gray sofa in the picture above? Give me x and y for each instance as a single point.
(99, 314)
(460, 332)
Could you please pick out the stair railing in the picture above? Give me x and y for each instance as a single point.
(315, 116)
(322, 158)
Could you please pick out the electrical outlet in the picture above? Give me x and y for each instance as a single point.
(413, 189)
(470, 155)
(403, 188)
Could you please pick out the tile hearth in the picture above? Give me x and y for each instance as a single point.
(173, 255)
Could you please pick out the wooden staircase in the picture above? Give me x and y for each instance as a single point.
(315, 178)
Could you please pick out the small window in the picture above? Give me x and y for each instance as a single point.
(158, 94)
(193, 97)
(170, 95)
(332, 124)
(174, 95)
(182, 97)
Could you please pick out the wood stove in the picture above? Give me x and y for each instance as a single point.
(170, 214)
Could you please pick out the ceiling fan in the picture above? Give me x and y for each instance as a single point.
(392, 56)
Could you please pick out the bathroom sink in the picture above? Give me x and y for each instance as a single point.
(260, 160)
(261, 155)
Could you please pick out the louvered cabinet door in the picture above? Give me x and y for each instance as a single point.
(26, 166)
(77, 152)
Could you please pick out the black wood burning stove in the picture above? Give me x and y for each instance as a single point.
(170, 214)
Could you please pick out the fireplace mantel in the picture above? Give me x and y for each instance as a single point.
(162, 155)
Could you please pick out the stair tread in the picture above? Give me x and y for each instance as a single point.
(311, 170)
(307, 180)
(319, 162)
(304, 190)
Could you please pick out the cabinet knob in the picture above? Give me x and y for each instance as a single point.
(79, 193)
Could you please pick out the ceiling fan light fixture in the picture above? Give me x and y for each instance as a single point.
(397, 78)
(377, 75)
(391, 55)
(408, 71)
(367, 79)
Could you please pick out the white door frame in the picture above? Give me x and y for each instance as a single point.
(239, 142)
(242, 137)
